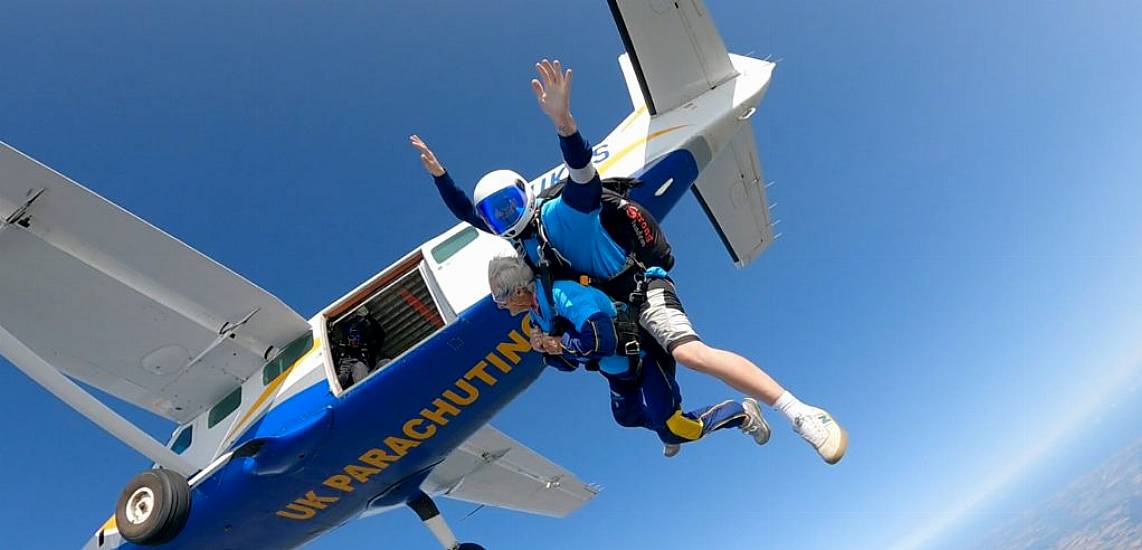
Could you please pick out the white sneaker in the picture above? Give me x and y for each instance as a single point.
(754, 425)
(822, 432)
(671, 449)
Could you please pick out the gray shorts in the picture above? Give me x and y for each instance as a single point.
(663, 317)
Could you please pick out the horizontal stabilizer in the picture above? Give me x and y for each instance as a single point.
(674, 51)
(732, 193)
(494, 469)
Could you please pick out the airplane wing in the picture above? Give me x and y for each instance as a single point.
(494, 469)
(673, 49)
(108, 299)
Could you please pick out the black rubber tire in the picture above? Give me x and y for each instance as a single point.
(168, 515)
(470, 546)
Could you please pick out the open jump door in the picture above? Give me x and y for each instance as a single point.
(382, 320)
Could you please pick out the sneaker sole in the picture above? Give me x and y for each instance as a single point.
(844, 446)
(751, 404)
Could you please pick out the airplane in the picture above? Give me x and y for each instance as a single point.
(275, 445)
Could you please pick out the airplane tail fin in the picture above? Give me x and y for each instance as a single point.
(673, 52)
(731, 190)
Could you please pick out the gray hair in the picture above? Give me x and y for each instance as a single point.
(506, 274)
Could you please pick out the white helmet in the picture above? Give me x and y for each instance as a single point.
(505, 202)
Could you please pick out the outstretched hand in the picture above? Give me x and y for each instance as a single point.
(554, 95)
(427, 158)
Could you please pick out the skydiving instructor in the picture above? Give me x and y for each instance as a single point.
(506, 205)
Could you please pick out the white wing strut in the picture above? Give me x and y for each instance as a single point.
(84, 403)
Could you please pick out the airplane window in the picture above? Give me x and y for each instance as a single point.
(286, 358)
(270, 371)
(454, 244)
(183, 441)
(224, 407)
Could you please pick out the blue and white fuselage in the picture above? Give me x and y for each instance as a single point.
(299, 455)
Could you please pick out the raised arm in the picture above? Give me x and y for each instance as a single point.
(554, 97)
(454, 197)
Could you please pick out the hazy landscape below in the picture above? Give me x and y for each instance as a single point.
(1102, 509)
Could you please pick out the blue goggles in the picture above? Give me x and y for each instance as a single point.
(503, 209)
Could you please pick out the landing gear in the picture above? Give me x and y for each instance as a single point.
(153, 508)
(430, 515)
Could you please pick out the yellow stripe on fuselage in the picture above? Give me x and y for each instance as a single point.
(627, 150)
(270, 388)
(632, 117)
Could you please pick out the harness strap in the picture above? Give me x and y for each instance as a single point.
(543, 268)
(627, 334)
(632, 269)
(554, 265)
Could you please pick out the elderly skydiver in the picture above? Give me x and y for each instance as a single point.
(507, 206)
(582, 327)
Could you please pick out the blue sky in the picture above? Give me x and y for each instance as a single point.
(958, 280)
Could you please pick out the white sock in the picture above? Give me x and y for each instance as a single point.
(789, 406)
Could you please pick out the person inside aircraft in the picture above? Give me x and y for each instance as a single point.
(594, 334)
(572, 224)
(359, 351)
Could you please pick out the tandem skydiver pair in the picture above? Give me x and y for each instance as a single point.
(570, 234)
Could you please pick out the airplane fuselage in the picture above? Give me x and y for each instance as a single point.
(329, 458)
(303, 456)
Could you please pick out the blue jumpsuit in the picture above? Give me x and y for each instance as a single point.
(643, 398)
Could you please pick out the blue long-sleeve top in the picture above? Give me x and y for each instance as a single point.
(458, 202)
(571, 219)
(590, 334)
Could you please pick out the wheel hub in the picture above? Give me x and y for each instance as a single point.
(140, 505)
